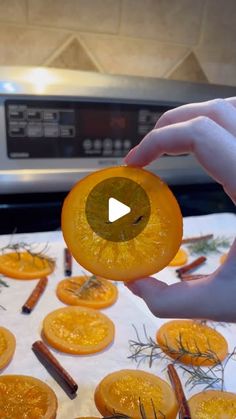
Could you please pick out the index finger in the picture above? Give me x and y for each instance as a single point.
(213, 146)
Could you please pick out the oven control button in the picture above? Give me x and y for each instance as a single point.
(34, 115)
(118, 144)
(16, 115)
(34, 130)
(87, 144)
(16, 130)
(50, 115)
(97, 144)
(127, 144)
(51, 130)
(67, 131)
(107, 144)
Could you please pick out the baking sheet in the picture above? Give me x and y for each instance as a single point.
(129, 310)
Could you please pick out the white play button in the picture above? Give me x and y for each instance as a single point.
(116, 210)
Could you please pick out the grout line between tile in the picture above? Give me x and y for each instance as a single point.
(90, 54)
(203, 21)
(58, 50)
(71, 31)
(177, 64)
(27, 10)
(120, 16)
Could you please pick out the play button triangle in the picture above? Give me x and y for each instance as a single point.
(116, 210)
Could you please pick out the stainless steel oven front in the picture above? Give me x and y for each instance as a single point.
(56, 126)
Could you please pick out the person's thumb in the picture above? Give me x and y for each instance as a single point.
(149, 290)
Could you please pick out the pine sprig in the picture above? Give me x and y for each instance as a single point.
(212, 245)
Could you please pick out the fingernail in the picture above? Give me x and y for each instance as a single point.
(128, 158)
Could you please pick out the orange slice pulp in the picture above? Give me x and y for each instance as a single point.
(26, 397)
(180, 258)
(7, 347)
(100, 294)
(213, 404)
(148, 252)
(123, 391)
(191, 342)
(23, 265)
(78, 330)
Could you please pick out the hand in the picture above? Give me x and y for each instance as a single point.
(208, 130)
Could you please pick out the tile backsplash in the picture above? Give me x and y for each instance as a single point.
(177, 39)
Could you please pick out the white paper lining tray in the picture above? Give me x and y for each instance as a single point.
(89, 370)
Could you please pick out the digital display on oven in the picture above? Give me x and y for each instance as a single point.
(75, 129)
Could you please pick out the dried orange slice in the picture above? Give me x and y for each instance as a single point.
(191, 342)
(26, 397)
(123, 391)
(136, 245)
(87, 291)
(213, 404)
(23, 265)
(223, 258)
(180, 258)
(78, 330)
(7, 347)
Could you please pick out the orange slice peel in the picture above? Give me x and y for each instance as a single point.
(99, 294)
(213, 404)
(78, 330)
(192, 343)
(26, 397)
(23, 265)
(142, 255)
(123, 391)
(7, 347)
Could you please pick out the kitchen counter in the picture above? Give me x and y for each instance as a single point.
(128, 310)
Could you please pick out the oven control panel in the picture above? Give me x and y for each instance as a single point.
(62, 129)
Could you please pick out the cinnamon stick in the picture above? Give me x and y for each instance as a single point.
(35, 296)
(191, 266)
(184, 411)
(67, 262)
(54, 367)
(197, 238)
(186, 277)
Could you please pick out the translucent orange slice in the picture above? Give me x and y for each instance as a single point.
(78, 330)
(22, 265)
(223, 258)
(99, 294)
(213, 404)
(180, 258)
(192, 343)
(144, 254)
(26, 397)
(123, 391)
(7, 347)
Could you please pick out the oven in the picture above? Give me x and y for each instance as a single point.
(56, 126)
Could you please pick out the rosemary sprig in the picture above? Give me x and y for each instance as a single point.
(205, 246)
(32, 249)
(210, 377)
(3, 283)
(142, 411)
(198, 375)
(151, 350)
(80, 290)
